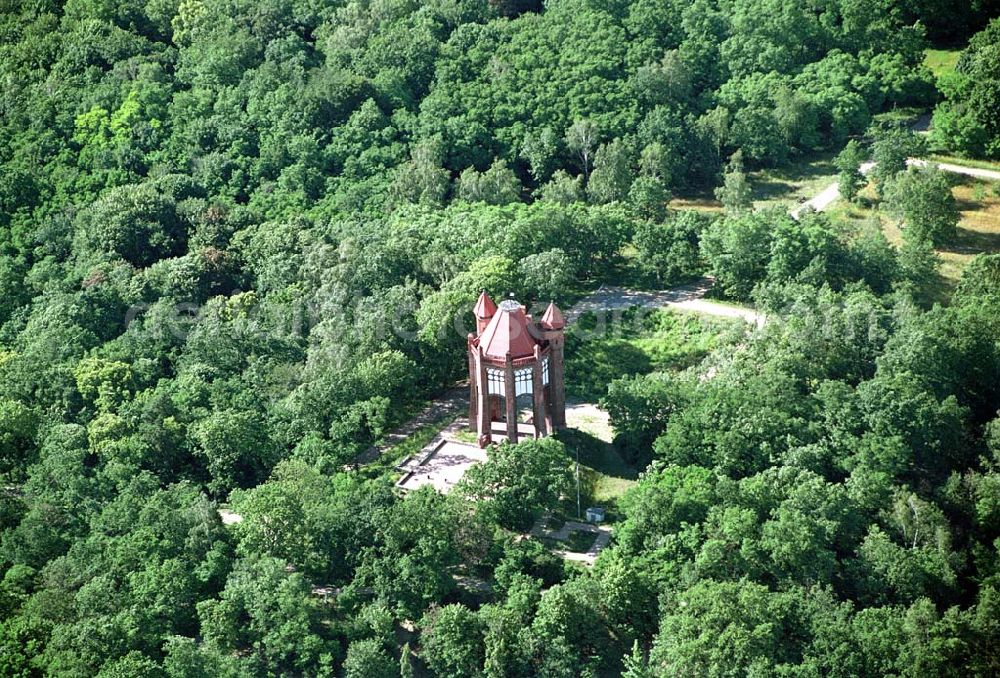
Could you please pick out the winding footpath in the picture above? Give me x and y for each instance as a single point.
(831, 193)
(689, 297)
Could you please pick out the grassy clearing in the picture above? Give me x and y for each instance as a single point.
(643, 341)
(941, 61)
(853, 215)
(603, 490)
(604, 475)
(794, 183)
(789, 185)
(588, 418)
(639, 341)
(978, 228)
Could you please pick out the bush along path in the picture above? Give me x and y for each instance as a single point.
(454, 401)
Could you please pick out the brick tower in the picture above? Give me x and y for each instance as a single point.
(512, 354)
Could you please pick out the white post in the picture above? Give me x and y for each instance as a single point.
(579, 513)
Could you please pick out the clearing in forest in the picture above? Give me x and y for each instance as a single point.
(978, 228)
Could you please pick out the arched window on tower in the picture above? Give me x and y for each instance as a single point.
(495, 380)
(522, 381)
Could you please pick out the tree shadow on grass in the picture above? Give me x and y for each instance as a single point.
(941, 290)
(969, 241)
(967, 204)
(595, 364)
(596, 454)
(772, 189)
(604, 475)
(784, 181)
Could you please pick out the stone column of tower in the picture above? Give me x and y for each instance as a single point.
(473, 384)
(510, 398)
(484, 418)
(553, 324)
(538, 415)
(556, 384)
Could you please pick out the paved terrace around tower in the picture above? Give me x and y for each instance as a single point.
(441, 466)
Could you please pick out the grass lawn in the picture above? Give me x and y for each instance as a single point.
(604, 475)
(795, 182)
(978, 229)
(642, 342)
(941, 61)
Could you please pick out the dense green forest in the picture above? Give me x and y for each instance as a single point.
(239, 242)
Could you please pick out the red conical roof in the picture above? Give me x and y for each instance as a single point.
(484, 308)
(553, 318)
(508, 333)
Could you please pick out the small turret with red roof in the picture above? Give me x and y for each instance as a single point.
(484, 310)
(553, 318)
